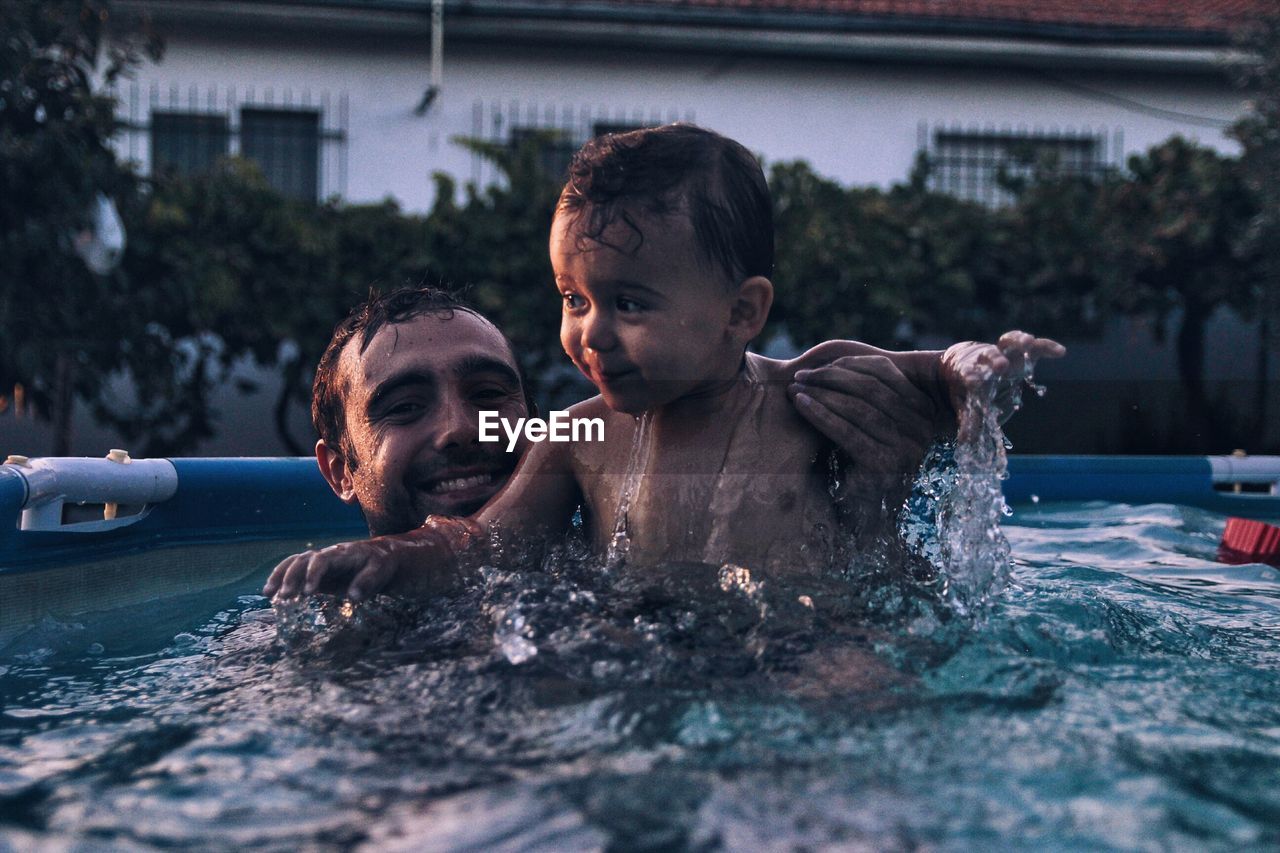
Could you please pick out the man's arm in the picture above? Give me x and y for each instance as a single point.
(538, 500)
(884, 409)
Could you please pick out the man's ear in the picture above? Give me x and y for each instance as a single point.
(751, 307)
(333, 466)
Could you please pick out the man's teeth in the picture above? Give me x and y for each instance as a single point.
(460, 483)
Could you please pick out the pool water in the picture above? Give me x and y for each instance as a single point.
(1119, 692)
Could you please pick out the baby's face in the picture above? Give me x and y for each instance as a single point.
(647, 321)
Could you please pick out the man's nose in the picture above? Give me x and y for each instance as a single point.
(456, 424)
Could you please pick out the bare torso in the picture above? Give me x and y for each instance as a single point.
(737, 478)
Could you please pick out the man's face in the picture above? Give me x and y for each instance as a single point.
(412, 403)
(647, 321)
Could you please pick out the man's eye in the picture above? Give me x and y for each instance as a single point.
(491, 393)
(573, 301)
(405, 409)
(628, 306)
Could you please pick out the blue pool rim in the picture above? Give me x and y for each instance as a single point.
(1183, 480)
(218, 500)
(222, 500)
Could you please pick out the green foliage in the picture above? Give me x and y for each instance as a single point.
(225, 267)
(865, 264)
(228, 268)
(63, 327)
(221, 267)
(1259, 135)
(494, 245)
(1174, 241)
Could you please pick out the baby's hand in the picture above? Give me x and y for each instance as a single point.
(1000, 369)
(422, 561)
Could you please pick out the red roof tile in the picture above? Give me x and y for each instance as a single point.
(1189, 16)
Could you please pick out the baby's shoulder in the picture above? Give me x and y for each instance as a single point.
(616, 430)
(828, 351)
(819, 356)
(592, 407)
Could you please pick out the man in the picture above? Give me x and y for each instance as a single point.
(396, 400)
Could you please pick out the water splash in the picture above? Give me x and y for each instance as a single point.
(620, 542)
(972, 551)
(510, 638)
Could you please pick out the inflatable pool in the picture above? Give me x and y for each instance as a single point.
(1120, 693)
(82, 534)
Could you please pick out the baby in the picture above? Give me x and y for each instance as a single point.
(662, 247)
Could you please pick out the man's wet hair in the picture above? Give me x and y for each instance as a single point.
(329, 391)
(677, 169)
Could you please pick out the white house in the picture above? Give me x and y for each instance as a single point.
(364, 98)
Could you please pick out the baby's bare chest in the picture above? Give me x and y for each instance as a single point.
(750, 491)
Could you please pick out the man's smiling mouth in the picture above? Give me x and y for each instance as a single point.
(460, 484)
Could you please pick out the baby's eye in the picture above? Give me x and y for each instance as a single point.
(573, 301)
(628, 306)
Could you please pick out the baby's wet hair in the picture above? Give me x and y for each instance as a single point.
(672, 170)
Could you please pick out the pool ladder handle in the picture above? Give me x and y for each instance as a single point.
(1239, 469)
(53, 483)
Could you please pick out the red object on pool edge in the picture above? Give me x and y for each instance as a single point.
(1249, 541)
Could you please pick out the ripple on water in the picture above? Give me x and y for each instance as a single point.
(1120, 693)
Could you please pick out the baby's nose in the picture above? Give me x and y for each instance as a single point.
(598, 334)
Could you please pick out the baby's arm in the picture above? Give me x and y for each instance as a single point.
(997, 371)
(539, 499)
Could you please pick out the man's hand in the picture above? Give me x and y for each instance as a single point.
(879, 417)
(885, 411)
(1002, 369)
(422, 561)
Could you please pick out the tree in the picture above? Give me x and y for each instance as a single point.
(1259, 135)
(875, 266)
(1172, 240)
(63, 325)
(227, 268)
(494, 246)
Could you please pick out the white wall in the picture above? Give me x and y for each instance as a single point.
(858, 123)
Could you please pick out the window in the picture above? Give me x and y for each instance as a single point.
(187, 143)
(600, 128)
(554, 148)
(556, 130)
(297, 139)
(981, 165)
(286, 146)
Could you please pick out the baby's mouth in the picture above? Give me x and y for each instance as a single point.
(614, 376)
